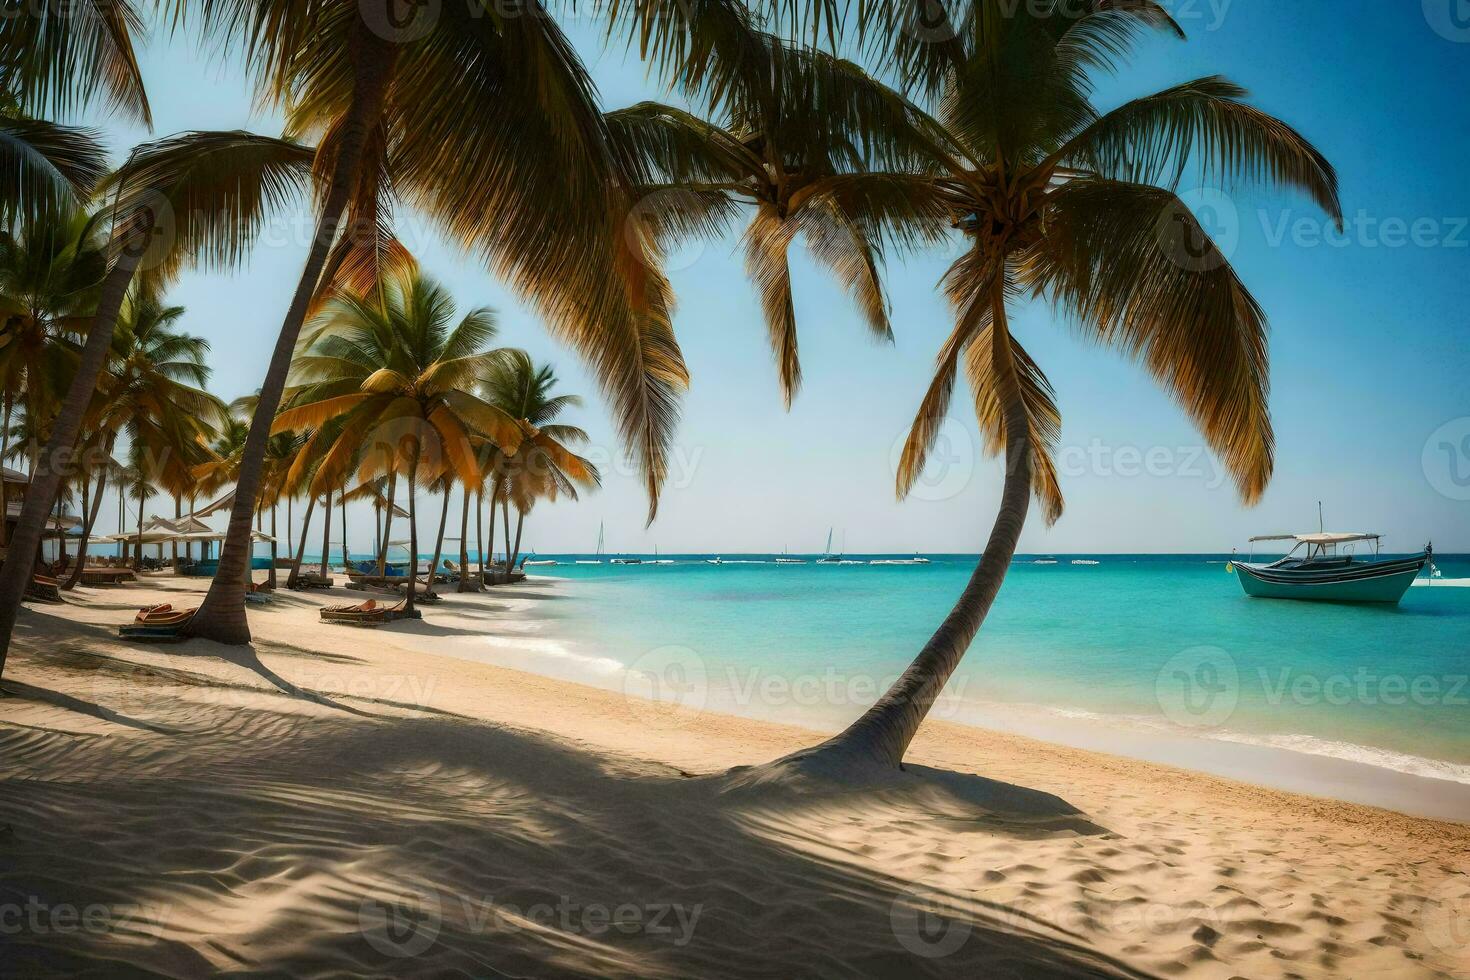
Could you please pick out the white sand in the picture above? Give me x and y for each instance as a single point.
(335, 801)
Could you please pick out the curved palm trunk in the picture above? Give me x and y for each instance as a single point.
(270, 578)
(510, 562)
(464, 544)
(413, 536)
(5, 454)
(326, 532)
(295, 575)
(387, 524)
(505, 513)
(479, 527)
(221, 616)
(439, 542)
(46, 480)
(75, 577)
(346, 555)
(884, 732)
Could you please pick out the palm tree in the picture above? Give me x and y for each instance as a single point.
(543, 467)
(49, 272)
(386, 381)
(198, 197)
(1077, 208)
(55, 57)
(153, 392)
(483, 118)
(792, 117)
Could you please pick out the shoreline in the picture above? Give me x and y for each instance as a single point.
(269, 798)
(1337, 770)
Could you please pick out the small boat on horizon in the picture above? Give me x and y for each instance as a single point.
(1046, 560)
(1316, 570)
(625, 561)
(1084, 561)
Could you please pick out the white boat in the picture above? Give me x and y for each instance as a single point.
(790, 561)
(828, 557)
(1083, 561)
(538, 562)
(594, 561)
(1323, 567)
(626, 561)
(1045, 560)
(714, 561)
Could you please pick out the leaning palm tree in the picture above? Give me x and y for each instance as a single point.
(543, 467)
(49, 272)
(484, 118)
(1076, 208)
(196, 198)
(387, 381)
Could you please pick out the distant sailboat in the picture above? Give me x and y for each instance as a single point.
(660, 561)
(598, 552)
(534, 561)
(828, 557)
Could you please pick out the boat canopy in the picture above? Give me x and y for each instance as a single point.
(1319, 537)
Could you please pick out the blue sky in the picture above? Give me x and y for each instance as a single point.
(1370, 399)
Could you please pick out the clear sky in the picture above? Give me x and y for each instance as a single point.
(1369, 348)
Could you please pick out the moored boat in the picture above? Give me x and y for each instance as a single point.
(1323, 567)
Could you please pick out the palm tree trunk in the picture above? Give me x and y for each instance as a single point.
(294, 576)
(326, 531)
(174, 545)
(413, 536)
(270, 578)
(91, 522)
(4, 454)
(142, 489)
(439, 542)
(505, 512)
(479, 526)
(46, 479)
(387, 524)
(520, 523)
(221, 616)
(464, 544)
(884, 732)
(346, 558)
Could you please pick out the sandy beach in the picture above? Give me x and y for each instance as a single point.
(332, 801)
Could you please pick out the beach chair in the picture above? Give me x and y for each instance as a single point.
(43, 588)
(314, 580)
(259, 592)
(157, 624)
(369, 613)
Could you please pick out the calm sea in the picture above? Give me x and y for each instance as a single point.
(1145, 642)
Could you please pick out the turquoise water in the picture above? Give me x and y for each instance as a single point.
(1166, 643)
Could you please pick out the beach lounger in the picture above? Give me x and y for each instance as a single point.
(311, 580)
(369, 613)
(162, 615)
(157, 624)
(105, 575)
(43, 589)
